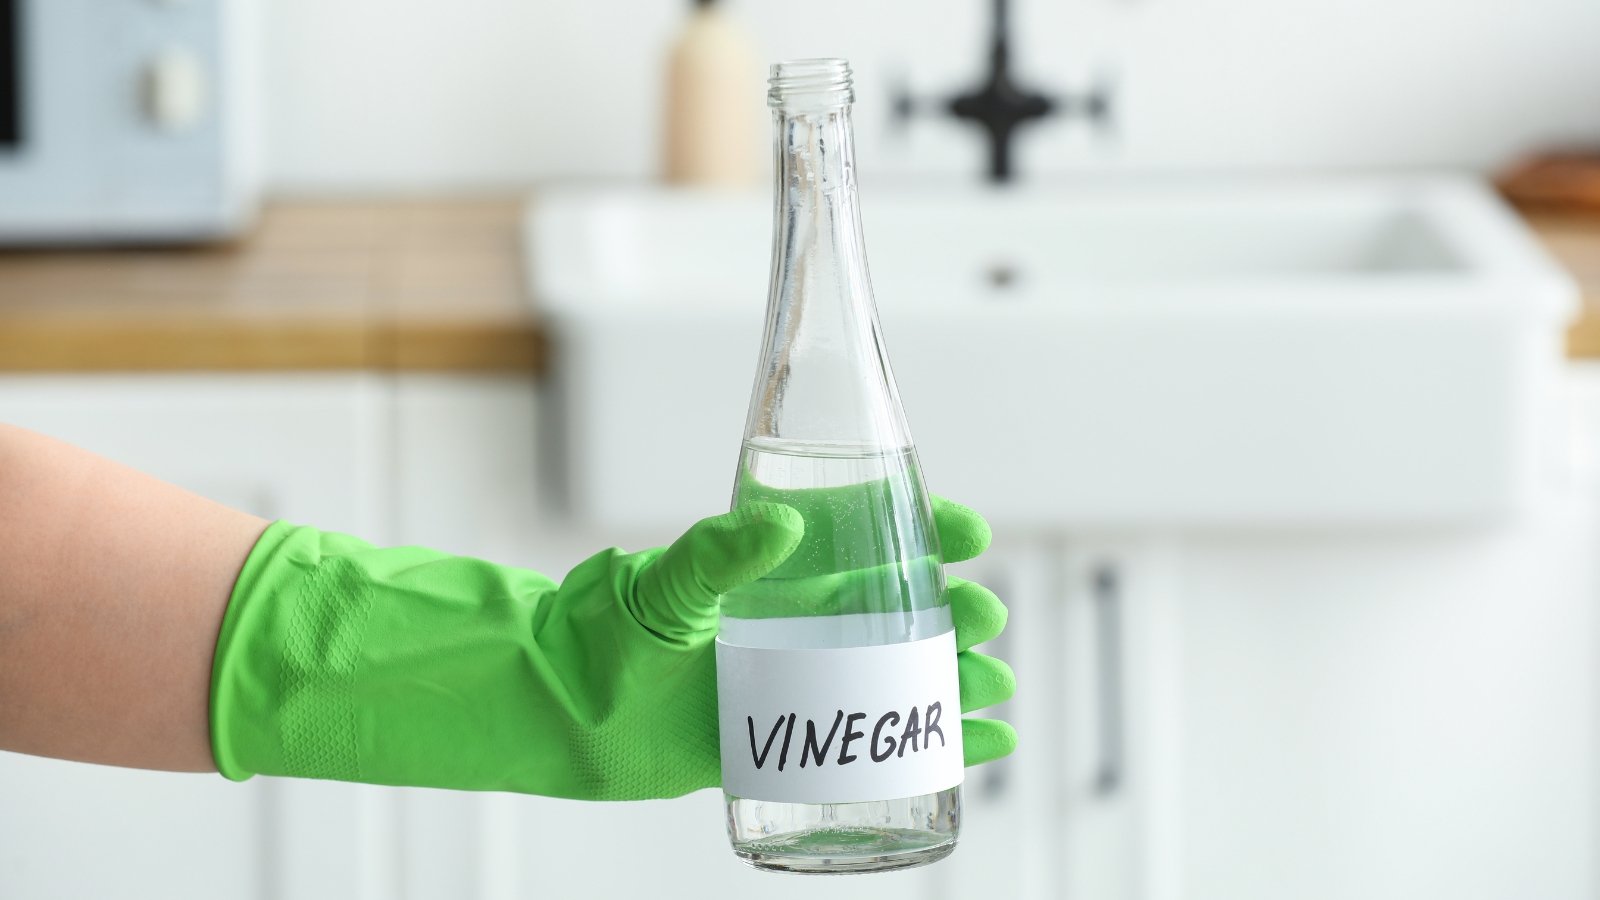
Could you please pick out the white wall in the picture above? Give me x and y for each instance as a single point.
(379, 94)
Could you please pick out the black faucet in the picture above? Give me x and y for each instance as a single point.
(1001, 106)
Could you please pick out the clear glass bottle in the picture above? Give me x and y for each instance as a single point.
(861, 603)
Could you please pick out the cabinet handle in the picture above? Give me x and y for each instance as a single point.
(1110, 767)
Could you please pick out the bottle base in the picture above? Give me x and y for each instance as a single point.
(846, 851)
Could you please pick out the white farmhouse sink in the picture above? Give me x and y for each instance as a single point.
(1309, 352)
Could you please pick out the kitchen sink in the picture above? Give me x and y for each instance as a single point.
(1300, 352)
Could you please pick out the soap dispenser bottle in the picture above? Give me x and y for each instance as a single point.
(713, 132)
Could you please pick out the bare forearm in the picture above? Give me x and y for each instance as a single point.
(112, 588)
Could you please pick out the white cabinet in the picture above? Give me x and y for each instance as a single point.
(1321, 716)
(1390, 716)
(1223, 715)
(1012, 842)
(302, 447)
(73, 830)
(1337, 714)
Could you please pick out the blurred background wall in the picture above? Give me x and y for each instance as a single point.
(376, 94)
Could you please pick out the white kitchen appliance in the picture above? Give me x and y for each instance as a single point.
(126, 120)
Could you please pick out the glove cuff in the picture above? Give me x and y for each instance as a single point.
(282, 679)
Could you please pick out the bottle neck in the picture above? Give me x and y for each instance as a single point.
(818, 212)
(816, 145)
(826, 374)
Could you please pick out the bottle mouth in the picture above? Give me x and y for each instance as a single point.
(811, 83)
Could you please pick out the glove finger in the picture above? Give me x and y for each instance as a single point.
(963, 534)
(979, 615)
(985, 680)
(677, 594)
(986, 740)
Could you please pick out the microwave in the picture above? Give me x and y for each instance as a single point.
(126, 120)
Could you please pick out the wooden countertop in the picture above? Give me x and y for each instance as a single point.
(418, 285)
(414, 285)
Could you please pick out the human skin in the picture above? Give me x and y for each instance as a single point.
(113, 585)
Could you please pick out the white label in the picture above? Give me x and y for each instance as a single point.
(840, 726)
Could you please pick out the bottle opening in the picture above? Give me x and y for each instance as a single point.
(811, 82)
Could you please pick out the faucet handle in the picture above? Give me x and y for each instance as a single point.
(1098, 103)
(902, 103)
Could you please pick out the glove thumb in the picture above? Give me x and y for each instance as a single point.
(677, 595)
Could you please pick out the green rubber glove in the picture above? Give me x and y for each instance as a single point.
(407, 666)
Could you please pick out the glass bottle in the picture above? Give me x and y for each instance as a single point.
(845, 655)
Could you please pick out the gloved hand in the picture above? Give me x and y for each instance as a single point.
(407, 666)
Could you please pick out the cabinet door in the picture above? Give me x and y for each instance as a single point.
(1012, 839)
(1111, 716)
(1393, 716)
(302, 448)
(306, 448)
